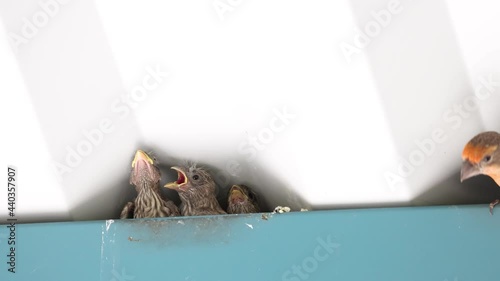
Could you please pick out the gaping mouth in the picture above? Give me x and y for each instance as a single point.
(181, 179)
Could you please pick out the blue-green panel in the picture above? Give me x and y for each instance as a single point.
(451, 243)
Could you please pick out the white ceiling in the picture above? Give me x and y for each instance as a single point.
(383, 126)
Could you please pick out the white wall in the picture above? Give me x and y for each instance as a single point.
(383, 126)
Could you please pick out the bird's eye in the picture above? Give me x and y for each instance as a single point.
(487, 158)
(251, 195)
(196, 177)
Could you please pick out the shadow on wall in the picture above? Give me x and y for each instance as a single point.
(476, 190)
(421, 75)
(271, 191)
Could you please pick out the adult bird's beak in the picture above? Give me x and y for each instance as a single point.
(468, 171)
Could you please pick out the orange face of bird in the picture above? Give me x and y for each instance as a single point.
(479, 157)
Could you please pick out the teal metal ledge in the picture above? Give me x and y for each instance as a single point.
(452, 243)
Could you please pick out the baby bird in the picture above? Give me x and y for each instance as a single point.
(481, 156)
(145, 176)
(196, 189)
(242, 200)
